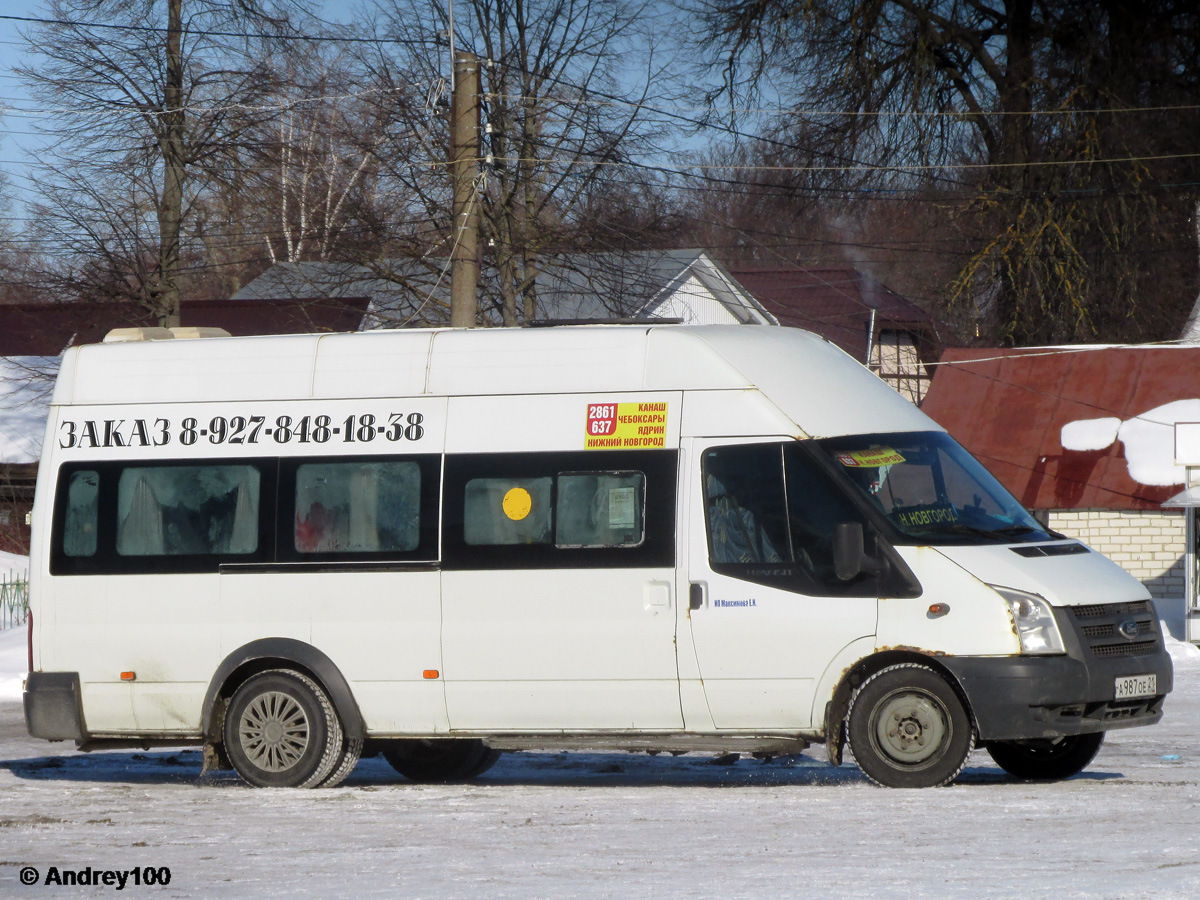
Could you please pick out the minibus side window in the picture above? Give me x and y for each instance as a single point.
(815, 507)
(188, 510)
(744, 504)
(770, 513)
(358, 510)
(581, 509)
(79, 529)
(503, 511)
(562, 509)
(600, 509)
(357, 507)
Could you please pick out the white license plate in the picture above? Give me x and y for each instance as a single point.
(1131, 687)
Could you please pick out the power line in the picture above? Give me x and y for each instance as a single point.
(152, 29)
(119, 110)
(683, 108)
(800, 112)
(862, 167)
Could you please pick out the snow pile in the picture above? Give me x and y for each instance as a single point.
(13, 566)
(1183, 654)
(1085, 435)
(14, 661)
(1149, 440)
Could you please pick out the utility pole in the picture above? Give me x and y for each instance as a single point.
(464, 138)
(170, 215)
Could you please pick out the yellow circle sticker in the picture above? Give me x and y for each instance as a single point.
(517, 504)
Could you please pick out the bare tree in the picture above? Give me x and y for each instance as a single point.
(1061, 113)
(312, 168)
(569, 88)
(146, 97)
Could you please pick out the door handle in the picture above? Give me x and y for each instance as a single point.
(695, 595)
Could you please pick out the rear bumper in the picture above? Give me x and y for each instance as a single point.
(53, 710)
(1020, 697)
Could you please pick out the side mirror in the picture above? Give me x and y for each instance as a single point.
(850, 557)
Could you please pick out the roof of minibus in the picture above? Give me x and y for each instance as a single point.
(812, 382)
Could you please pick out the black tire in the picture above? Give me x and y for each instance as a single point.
(282, 731)
(1046, 760)
(489, 759)
(908, 728)
(351, 752)
(440, 761)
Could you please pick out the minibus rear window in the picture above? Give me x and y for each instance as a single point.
(188, 510)
(79, 529)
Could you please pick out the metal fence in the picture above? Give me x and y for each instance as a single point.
(14, 600)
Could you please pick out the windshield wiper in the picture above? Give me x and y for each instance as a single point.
(1009, 531)
(955, 529)
(1015, 530)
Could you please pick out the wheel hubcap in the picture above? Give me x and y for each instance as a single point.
(274, 731)
(911, 728)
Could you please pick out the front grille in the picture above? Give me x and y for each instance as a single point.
(1110, 630)
(1111, 609)
(1126, 649)
(1098, 627)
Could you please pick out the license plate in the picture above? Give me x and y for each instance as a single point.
(1131, 687)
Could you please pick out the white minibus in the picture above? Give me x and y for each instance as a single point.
(442, 544)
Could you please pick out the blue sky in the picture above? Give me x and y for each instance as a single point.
(15, 144)
(19, 142)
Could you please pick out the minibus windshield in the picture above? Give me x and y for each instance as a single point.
(932, 489)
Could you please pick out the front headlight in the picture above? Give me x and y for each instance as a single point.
(1035, 621)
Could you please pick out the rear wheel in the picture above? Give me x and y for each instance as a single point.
(349, 759)
(908, 728)
(440, 761)
(282, 731)
(1046, 759)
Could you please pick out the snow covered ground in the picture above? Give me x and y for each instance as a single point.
(575, 825)
(12, 565)
(14, 662)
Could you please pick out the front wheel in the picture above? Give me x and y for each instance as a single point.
(908, 728)
(440, 761)
(1046, 759)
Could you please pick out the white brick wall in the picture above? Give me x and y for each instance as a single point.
(1148, 545)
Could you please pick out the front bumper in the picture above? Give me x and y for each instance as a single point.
(1022, 697)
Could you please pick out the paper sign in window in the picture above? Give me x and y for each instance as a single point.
(870, 459)
(622, 507)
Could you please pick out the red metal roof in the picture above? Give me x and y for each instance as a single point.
(835, 303)
(46, 329)
(1008, 408)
